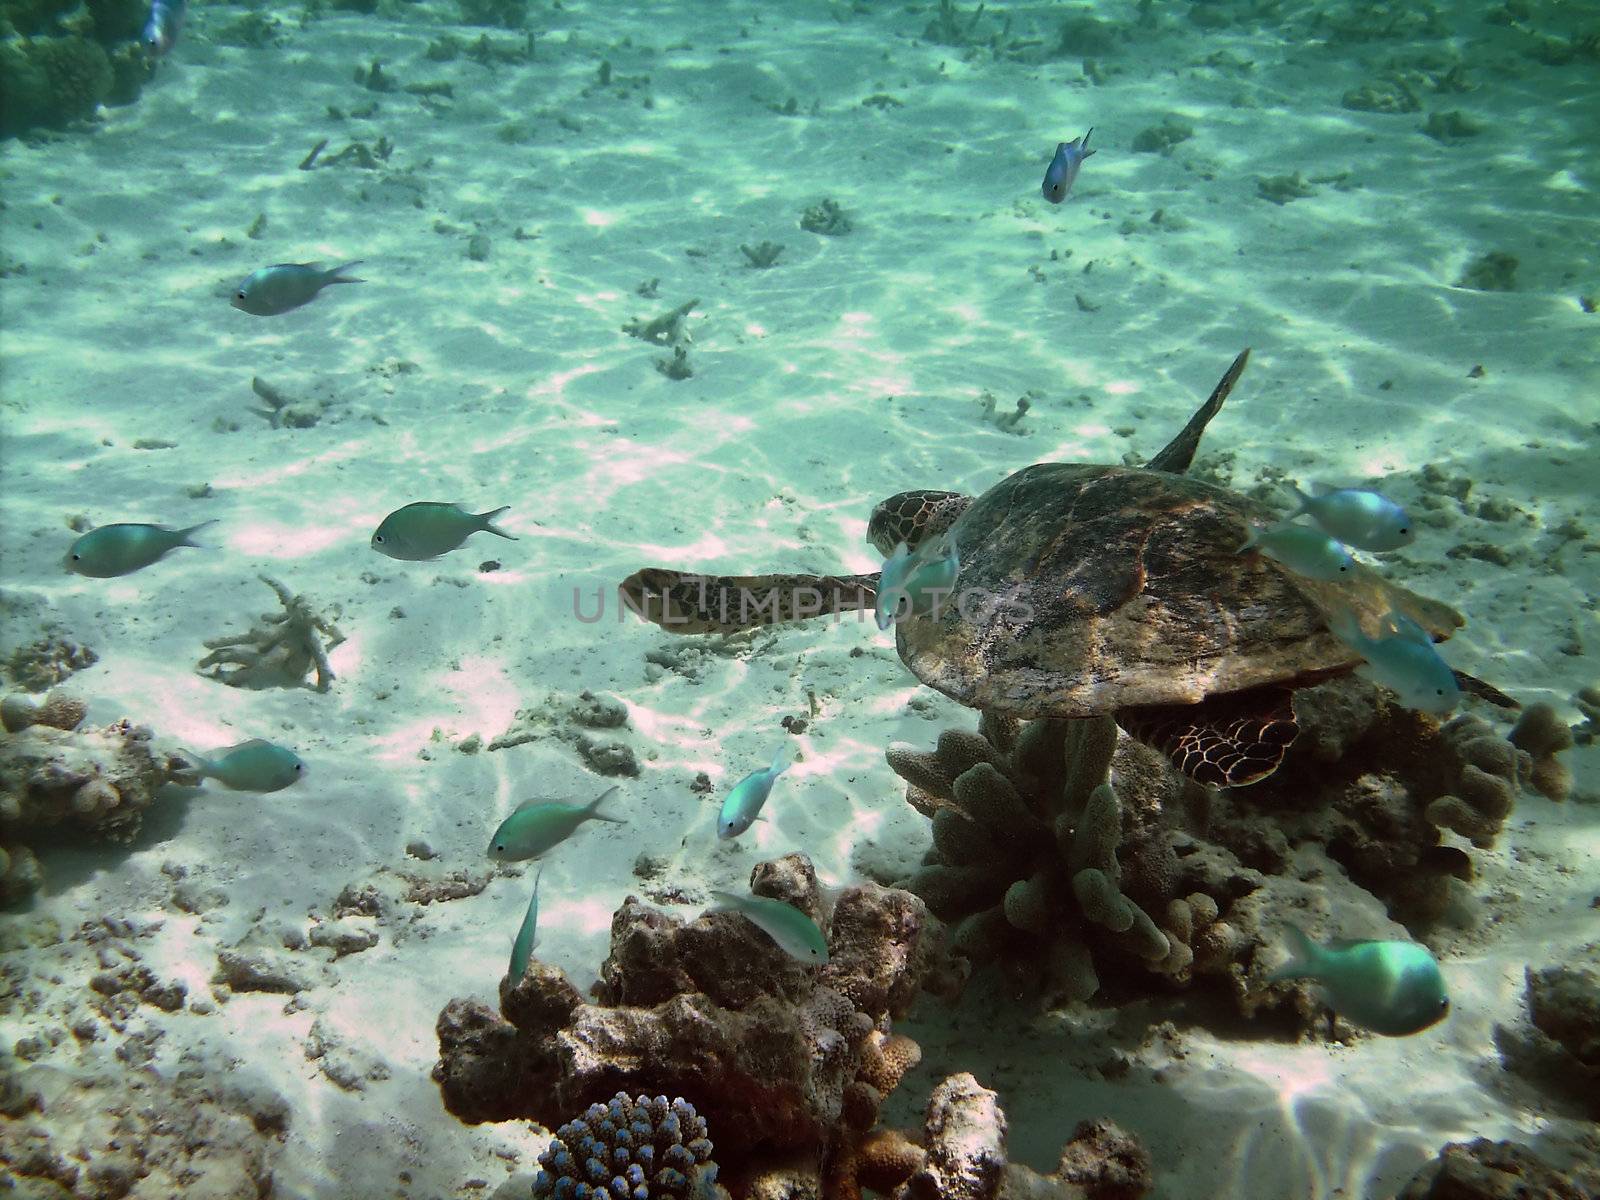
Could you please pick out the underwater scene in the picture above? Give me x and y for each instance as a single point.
(935, 600)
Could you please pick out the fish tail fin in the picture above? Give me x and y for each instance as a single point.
(488, 517)
(1251, 541)
(201, 763)
(337, 274)
(184, 534)
(593, 811)
(1304, 957)
(725, 900)
(781, 761)
(1083, 144)
(1344, 626)
(1300, 498)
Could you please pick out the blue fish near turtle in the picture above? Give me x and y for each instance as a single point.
(283, 287)
(745, 801)
(539, 826)
(1390, 987)
(1402, 658)
(1062, 172)
(126, 547)
(429, 528)
(1358, 517)
(253, 766)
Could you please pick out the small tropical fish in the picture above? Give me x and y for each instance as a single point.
(797, 935)
(253, 766)
(743, 804)
(1404, 661)
(915, 583)
(1304, 550)
(161, 30)
(1392, 988)
(1357, 517)
(527, 935)
(541, 825)
(430, 528)
(277, 289)
(122, 549)
(1063, 168)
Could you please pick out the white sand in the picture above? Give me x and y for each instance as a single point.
(852, 370)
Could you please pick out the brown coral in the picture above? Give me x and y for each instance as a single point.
(280, 650)
(1542, 733)
(771, 1051)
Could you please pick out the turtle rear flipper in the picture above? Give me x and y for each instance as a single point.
(1224, 741)
(686, 602)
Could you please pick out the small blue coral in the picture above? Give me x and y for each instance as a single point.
(632, 1148)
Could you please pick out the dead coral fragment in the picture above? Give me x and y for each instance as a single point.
(280, 651)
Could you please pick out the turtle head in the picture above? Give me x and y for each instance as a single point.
(912, 517)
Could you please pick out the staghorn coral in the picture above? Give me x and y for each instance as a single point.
(55, 774)
(280, 651)
(630, 1149)
(788, 1063)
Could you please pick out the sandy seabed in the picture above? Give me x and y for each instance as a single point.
(507, 233)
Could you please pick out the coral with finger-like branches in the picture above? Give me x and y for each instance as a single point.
(280, 650)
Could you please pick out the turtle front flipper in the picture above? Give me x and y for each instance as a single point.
(1224, 741)
(685, 602)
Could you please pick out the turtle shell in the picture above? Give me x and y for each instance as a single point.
(1088, 589)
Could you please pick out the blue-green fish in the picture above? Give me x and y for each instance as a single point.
(123, 549)
(1303, 549)
(1404, 661)
(527, 935)
(253, 766)
(284, 286)
(430, 528)
(743, 804)
(540, 825)
(1357, 517)
(1393, 988)
(1063, 169)
(797, 935)
(915, 583)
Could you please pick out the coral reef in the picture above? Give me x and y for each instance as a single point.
(1045, 867)
(54, 773)
(48, 660)
(1030, 846)
(1543, 734)
(1487, 1170)
(786, 1062)
(630, 1149)
(280, 650)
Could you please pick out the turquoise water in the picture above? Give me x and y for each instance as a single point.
(1393, 211)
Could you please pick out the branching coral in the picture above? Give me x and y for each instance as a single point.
(784, 1061)
(54, 773)
(1026, 832)
(280, 651)
(630, 1149)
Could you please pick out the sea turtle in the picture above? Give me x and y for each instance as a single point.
(1090, 590)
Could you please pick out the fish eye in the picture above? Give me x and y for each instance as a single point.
(377, 537)
(77, 558)
(501, 848)
(239, 295)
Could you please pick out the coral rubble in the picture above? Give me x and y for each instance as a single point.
(53, 773)
(1488, 1170)
(280, 650)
